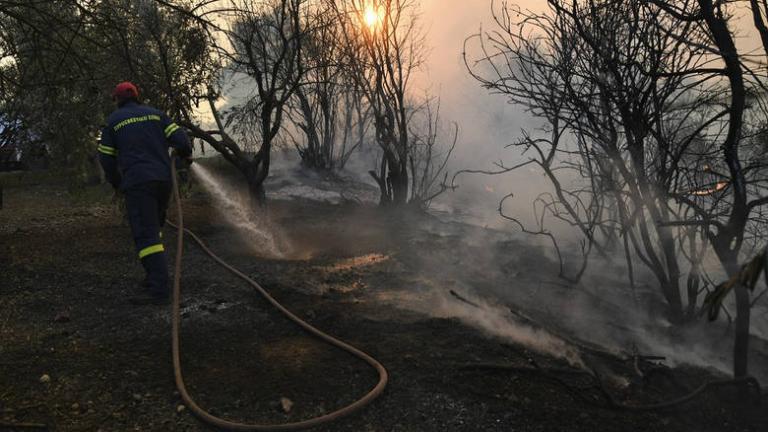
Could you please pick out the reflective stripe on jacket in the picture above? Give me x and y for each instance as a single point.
(134, 145)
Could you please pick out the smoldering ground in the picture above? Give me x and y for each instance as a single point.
(491, 262)
(361, 257)
(500, 281)
(603, 307)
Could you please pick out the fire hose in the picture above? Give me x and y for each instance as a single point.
(201, 413)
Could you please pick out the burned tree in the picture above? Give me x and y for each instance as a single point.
(606, 121)
(642, 130)
(328, 111)
(261, 44)
(384, 46)
(382, 51)
(735, 187)
(428, 155)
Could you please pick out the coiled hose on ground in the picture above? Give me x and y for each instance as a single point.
(176, 323)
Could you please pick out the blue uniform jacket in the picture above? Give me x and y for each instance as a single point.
(134, 145)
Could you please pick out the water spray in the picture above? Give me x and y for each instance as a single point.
(221, 423)
(238, 213)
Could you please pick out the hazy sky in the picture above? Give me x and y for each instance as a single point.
(484, 118)
(487, 122)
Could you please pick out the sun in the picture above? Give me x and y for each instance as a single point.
(371, 17)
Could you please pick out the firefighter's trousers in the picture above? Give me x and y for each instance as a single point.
(146, 204)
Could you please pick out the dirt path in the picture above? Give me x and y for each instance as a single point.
(76, 357)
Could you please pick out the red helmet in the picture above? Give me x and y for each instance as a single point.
(125, 90)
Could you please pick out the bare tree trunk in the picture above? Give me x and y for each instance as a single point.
(727, 242)
(743, 311)
(741, 346)
(672, 288)
(256, 173)
(381, 180)
(257, 193)
(399, 180)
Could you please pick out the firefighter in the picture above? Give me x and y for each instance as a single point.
(134, 154)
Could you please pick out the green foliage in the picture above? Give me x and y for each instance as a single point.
(41, 74)
(62, 60)
(164, 51)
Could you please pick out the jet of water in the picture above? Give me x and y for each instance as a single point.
(237, 212)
